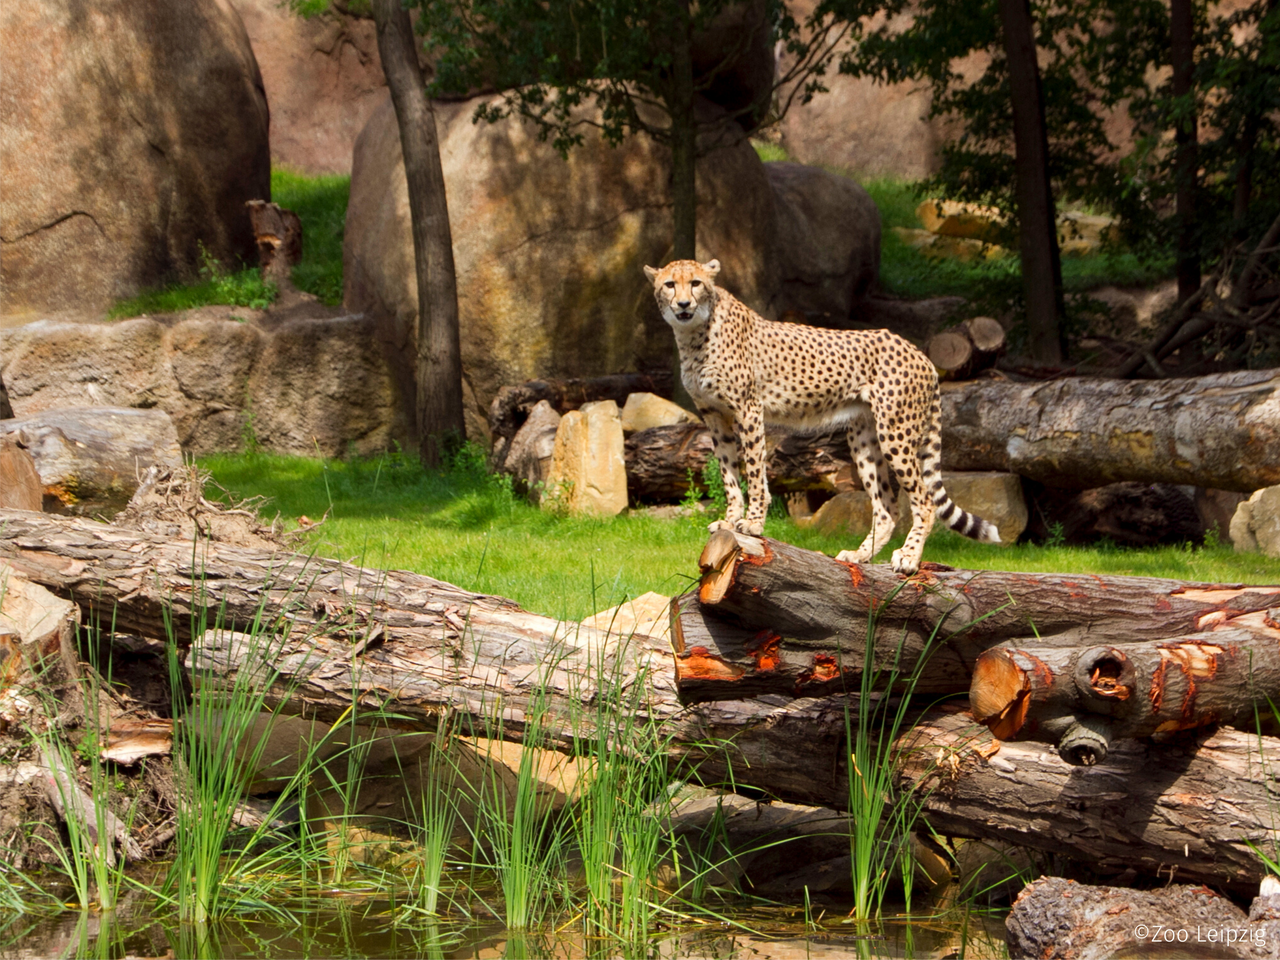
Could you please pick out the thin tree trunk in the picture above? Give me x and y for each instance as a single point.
(439, 356)
(1182, 48)
(684, 158)
(1038, 236)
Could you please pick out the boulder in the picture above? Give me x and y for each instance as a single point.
(305, 386)
(322, 77)
(848, 513)
(1255, 528)
(828, 243)
(530, 454)
(588, 473)
(733, 61)
(325, 387)
(548, 249)
(131, 136)
(90, 460)
(20, 487)
(993, 496)
(645, 410)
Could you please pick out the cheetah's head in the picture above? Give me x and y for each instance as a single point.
(685, 290)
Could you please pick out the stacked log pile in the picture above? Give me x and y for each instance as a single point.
(756, 691)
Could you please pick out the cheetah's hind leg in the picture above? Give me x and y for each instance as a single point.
(873, 471)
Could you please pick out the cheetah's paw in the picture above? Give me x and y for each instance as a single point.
(752, 528)
(719, 525)
(851, 556)
(904, 565)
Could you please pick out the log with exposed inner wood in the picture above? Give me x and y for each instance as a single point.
(756, 689)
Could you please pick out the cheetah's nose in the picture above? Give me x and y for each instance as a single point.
(683, 304)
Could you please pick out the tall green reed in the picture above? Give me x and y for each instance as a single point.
(89, 860)
(618, 823)
(884, 698)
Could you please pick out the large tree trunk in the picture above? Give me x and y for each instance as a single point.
(684, 163)
(1076, 433)
(428, 651)
(1038, 233)
(1186, 810)
(1220, 431)
(770, 618)
(439, 354)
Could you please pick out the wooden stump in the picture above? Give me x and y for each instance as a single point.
(20, 487)
(279, 236)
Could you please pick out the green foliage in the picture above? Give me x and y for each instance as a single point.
(1096, 59)
(552, 59)
(244, 288)
(321, 203)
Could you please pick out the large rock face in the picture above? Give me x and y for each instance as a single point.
(304, 387)
(130, 134)
(548, 250)
(828, 245)
(322, 77)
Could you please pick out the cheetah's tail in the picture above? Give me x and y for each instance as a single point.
(961, 521)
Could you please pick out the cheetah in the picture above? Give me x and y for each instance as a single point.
(744, 371)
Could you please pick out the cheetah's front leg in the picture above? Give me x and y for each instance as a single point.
(751, 437)
(726, 453)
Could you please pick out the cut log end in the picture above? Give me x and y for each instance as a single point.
(985, 333)
(1000, 694)
(717, 563)
(1086, 741)
(950, 351)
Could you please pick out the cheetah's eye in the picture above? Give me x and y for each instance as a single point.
(695, 283)
(670, 284)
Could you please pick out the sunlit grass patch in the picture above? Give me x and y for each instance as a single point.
(464, 527)
(321, 203)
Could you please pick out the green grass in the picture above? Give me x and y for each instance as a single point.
(242, 288)
(907, 272)
(466, 528)
(321, 203)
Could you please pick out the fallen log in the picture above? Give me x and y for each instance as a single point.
(768, 617)
(1056, 919)
(1075, 433)
(1083, 432)
(966, 349)
(91, 459)
(335, 635)
(1084, 699)
(1194, 810)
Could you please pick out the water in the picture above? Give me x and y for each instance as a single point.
(376, 929)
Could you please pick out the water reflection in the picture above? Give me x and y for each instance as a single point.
(371, 930)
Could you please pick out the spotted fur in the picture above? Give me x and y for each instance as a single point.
(744, 371)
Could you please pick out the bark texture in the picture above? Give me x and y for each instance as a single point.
(1220, 431)
(1055, 919)
(429, 652)
(771, 618)
(439, 354)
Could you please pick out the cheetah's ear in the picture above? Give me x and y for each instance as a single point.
(650, 273)
(712, 267)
